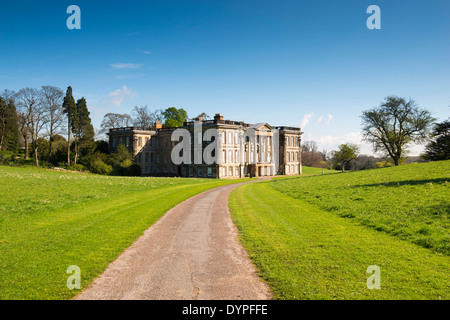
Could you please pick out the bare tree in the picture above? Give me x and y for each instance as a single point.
(115, 120)
(52, 99)
(157, 116)
(311, 159)
(31, 115)
(27, 101)
(142, 117)
(309, 146)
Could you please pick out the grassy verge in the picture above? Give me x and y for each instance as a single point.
(50, 221)
(304, 252)
(410, 202)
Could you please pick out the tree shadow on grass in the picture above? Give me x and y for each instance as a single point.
(405, 183)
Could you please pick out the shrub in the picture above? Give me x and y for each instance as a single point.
(99, 167)
(76, 167)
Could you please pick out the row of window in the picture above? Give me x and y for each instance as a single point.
(141, 141)
(199, 171)
(160, 169)
(292, 156)
(149, 157)
(159, 142)
(232, 137)
(292, 141)
(292, 169)
(228, 137)
(228, 172)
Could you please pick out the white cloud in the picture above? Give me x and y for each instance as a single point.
(130, 76)
(147, 52)
(331, 142)
(334, 141)
(330, 117)
(126, 66)
(119, 95)
(306, 119)
(320, 119)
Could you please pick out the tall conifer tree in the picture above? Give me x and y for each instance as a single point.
(70, 109)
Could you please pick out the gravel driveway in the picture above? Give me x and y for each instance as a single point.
(193, 252)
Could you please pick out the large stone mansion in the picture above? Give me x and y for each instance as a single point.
(240, 149)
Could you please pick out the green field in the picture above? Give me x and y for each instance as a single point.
(410, 202)
(51, 220)
(314, 237)
(310, 171)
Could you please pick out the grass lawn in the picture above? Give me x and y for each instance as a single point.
(410, 202)
(304, 252)
(51, 220)
(311, 171)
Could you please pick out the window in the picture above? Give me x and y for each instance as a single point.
(165, 143)
(209, 171)
(236, 138)
(237, 172)
(140, 142)
(224, 137)
(224, 171)
(146, 140)
(127, 142)
(151, 158)
(158, 158)
(146, 168)
(146, 157)
(230, 156)
(237, 157)
(173, 169)
(231, 171)
(230, 137)
(199, 172)
(191, 171)
(152, 169)
(139, 158)
(224, 156)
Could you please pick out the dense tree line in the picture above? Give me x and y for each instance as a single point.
(49, 128)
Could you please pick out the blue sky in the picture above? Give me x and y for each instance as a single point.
(313, 63)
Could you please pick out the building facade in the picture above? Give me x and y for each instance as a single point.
(217, 148)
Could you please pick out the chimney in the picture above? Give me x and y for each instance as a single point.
(218, 118)
(158, 125)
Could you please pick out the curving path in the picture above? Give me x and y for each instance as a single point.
(193, 252)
